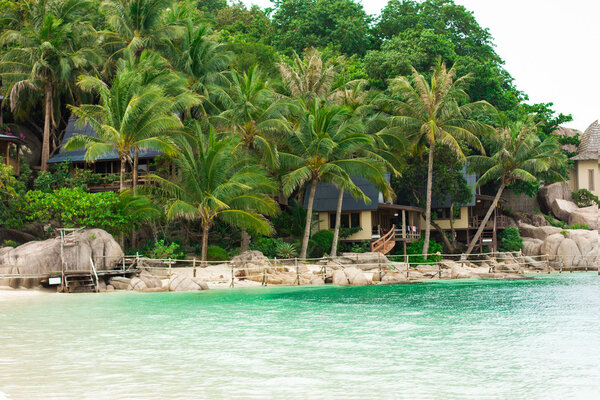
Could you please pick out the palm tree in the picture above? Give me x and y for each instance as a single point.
(518, 154)
(430, 113)
(323, 149)
(50, 44)
(131, 115)
(203, 61)
(311, 77)
(137, 25)
(217, 182)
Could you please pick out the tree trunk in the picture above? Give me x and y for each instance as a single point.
(122, 178)
(309, 210)
(447, 242)
(338, 223)
(205, 229)
(245, 246)
(47, 116)
(485, 220)
(428, 203)
(136, 161)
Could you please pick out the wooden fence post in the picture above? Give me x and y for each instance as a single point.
(297, 272)
(194, 264)
(232, 276)
(379, 262)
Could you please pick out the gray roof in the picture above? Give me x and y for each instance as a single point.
(326, 197)
(79, 155)
(589, 148)
(446, 203)
(10, 138)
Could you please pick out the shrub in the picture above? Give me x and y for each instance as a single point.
(585, 198)
(579, 226)
(266, 245)
(510, 240)
(74, 208)
(362, 247)
(216, 253)
(162, 251)
(320, 243)
(286, 250)
(415, 249)
(9, 243)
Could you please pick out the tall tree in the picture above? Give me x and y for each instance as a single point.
(517, 154)
(430, 113)
(130, 115)
(320, 150)
(50, 43)
(218, 182)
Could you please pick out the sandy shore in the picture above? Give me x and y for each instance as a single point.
(7, 293)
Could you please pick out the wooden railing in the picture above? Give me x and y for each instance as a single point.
(386, 243)
(501, 221)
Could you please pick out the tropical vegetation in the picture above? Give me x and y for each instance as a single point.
(250, 109)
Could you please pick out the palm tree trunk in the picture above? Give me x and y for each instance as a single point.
(122, 177)
(47, 116)
(428, 203)
(485, 220)
(338, 222)
(309, 210)
(205, 229)
(135, 170)
(245, 246)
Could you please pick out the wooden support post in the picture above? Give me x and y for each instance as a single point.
(169, 266)
(123, 263)
(379, 262)
(232, 276)
(194, 264)
(297, 271)
(404, 224)
(405, 255)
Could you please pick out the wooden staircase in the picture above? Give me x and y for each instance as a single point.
(386, 243)
(80, 283)
(487, 238)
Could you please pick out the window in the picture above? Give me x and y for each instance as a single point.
(444, 213)
(346, 221)
(591, 179)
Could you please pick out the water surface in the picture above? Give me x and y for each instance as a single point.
(450, 339)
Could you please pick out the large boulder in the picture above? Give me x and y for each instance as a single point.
(44, 257)
(339, 278)
(151, 281)
(532, 247)
(182, 283)
(137, 284)
(356, 277)
(551, 244)
(119, 282)
(589, 216)
(363, 261)
(549, 193)
(568, 253)
(458, 272)
(534, 232)
(251, 265)
(562, 209)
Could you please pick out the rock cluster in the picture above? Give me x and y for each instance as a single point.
(146, 282)
(574, 248)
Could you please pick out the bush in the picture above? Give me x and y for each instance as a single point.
(216, 253)
(510, 240)
(266, 245)
(320, 243)
(585, 198)
(162, 251)
(362, 247)
(416, 248)
(75, 208)
(286, 250)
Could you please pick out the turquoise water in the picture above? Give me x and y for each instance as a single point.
(451, 339)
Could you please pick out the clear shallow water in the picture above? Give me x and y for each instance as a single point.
(451, 339)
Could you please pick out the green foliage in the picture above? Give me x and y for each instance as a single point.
(347, 232)
(216, 253)
(266, 245)
(291, 221)
(510, 240)
(362, 247)
(320, 243)
(74, 208)
(559, 224)
(286, 250)
(415, 249)
(62, 176)
(13, 204)
(163, 251)
(9, 243)
(585, 198)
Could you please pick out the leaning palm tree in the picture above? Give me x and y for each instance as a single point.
(436, 112)
(50, 43)
(130, 116)
(217, 182)
(322, 149)
(518, 154)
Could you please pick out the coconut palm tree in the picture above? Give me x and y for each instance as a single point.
(517, 154)
(50, 44)
(203, 61)
(436, 112)
(257, 117)
(130, 115)
(323, 148)
(310, 77)
(218, 182)
(137, 25)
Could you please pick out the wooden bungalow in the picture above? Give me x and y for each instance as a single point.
(10, 149)
(106, 164)
(386, 224)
